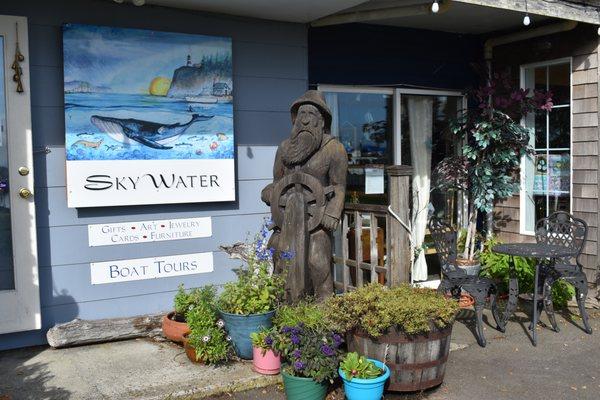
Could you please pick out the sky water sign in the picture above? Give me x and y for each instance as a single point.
(148, 117)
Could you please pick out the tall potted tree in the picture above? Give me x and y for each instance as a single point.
(494, 141)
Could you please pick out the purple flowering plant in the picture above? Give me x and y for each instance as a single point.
(310, 352)
(265, 339)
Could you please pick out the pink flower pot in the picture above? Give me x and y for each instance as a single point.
(267, 364)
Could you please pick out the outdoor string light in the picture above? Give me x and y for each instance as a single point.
(435, 7)
(526, 19)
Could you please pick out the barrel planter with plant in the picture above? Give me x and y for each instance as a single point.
(363, 378)
(403, 323)
(248, 304)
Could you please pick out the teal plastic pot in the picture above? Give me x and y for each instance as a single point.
(366, 389)
(298, 388)
(239, 328)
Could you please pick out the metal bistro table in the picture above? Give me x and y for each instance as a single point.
(531, 250)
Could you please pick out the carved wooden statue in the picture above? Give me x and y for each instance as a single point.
(307, 198)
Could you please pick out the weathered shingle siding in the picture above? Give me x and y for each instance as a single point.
(581, 45)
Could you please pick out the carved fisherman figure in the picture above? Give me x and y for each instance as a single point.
(307, 198)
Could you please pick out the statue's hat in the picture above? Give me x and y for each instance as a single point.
(314, 97)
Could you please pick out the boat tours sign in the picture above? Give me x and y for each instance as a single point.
(148, 117)
(149, 231)
(150, 268)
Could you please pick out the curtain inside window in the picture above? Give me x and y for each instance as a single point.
(420, 116)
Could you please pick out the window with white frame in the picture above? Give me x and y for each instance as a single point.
(546, 176)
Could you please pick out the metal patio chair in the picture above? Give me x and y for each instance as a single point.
(454, 279)
(563, 229)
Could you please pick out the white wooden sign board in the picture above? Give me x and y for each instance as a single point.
(150, 268)
(149, 231)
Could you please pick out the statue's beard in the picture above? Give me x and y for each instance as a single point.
(301, 146)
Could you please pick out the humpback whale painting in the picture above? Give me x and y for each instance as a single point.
(131, 91)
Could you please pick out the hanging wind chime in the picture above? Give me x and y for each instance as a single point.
(16, 65)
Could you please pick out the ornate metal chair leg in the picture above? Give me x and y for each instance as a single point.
(581, 290)
(535, 316)
(494, 306)
(548, 306)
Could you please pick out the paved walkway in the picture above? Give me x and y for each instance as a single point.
(565, 365)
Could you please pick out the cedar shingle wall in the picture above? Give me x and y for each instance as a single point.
(582, 45)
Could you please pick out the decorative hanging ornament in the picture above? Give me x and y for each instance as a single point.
(16, 65)
(435, 7)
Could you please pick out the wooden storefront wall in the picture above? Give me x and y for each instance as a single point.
(582, 46)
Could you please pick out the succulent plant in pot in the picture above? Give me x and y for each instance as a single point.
(391, 321)
(363, 378)
(248, 303)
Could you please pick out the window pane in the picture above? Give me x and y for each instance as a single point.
(540, 129)
(540, 78)
(560, 80)
(540, 208)
(560, 127)
(363, 122)
(540, 180)
(559, 173)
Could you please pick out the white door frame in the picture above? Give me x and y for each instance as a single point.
(19, 308)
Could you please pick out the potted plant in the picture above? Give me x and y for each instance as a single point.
(174, 324)
(206, 342)
(311, 357)
(389, 322)
(363, 378)
(265, 357)
(248, 304)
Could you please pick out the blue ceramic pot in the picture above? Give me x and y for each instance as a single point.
(366, 389)
(239, 327)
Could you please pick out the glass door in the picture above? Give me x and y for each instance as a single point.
(19, 288)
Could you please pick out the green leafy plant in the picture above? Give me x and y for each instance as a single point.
(497, 267)
(185, 301)
(307, 312)
(375, 309)
(356, 366)
(257, 289)
(207, 335)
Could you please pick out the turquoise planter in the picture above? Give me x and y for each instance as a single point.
(365, 389)
(239, 327)
(298, 388)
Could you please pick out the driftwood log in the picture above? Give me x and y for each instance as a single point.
(80, 332)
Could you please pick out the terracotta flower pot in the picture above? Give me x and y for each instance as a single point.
(190, 352)
(466, 300)
(172, 329)
(268, 363)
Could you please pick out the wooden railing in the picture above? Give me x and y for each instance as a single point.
(379, 251)
(364, 242)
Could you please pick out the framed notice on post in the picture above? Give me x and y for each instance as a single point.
(148, 117)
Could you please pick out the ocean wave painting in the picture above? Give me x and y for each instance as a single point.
(135, 94)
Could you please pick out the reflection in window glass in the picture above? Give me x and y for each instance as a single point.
(364, 125)
(547, 175)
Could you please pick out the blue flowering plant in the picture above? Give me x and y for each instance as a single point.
(310, 353)
(257, 288)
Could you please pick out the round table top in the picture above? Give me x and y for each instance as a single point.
(536, 250)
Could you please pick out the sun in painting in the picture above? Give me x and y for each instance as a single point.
(159, 86)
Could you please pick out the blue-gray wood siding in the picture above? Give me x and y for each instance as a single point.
(270, 70)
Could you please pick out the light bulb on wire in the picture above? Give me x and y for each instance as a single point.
(526, 20)
(435, 7)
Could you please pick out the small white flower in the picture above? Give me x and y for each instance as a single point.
(205, 339)
(220, 323)
(228, 338)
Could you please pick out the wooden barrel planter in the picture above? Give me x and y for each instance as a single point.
(416, 362)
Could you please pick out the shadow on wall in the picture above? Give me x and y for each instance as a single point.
(24, 377)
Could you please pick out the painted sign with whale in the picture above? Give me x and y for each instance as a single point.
(148, 117)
